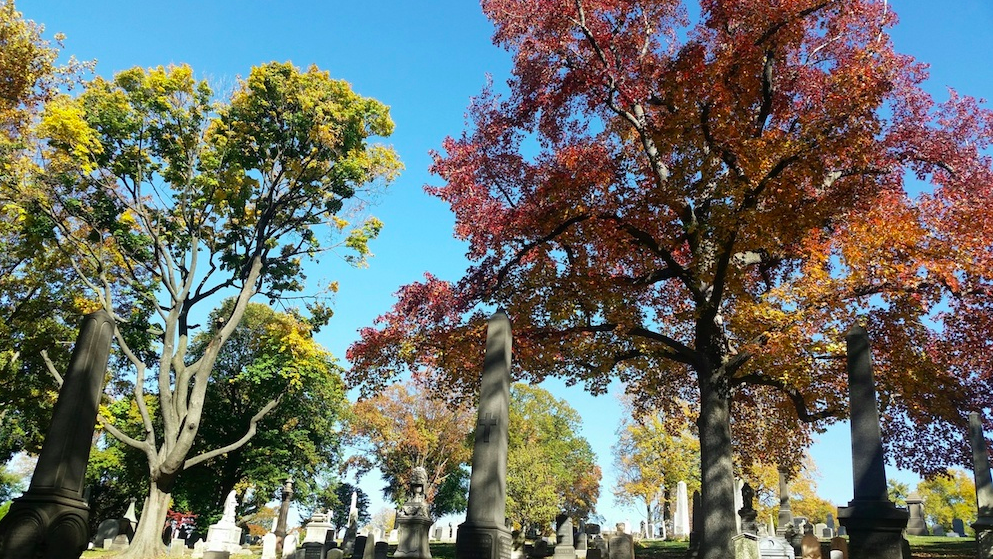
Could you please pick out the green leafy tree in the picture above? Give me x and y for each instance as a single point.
(947, 497)
(271, 356)
(337, 498)
(551, 468)
(160, 192)
(651, 456)
(403, 427)
(897, 491)
(10, 484)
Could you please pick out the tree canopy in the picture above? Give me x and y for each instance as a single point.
(167, 200)
(701, 209)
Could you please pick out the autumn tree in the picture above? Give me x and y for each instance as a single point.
(403, 427)
(161, 193)
(337, 498)
(802, 484)
(551, 468)
(948, 496)
(37, 305)
(653, 453)
(701, 209)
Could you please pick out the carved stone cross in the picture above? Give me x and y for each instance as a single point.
(487, 422)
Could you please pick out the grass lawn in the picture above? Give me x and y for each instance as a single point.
(922, 548)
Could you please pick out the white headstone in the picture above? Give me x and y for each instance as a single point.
(269, 546)
(681, 520)
(738, 503)
(289, 543)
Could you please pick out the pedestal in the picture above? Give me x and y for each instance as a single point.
(224, 537)
(875, 529)
(482, 541)
(984, 537)
(412, 537)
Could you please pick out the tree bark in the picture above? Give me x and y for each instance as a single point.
(717, 472)
(147, 542)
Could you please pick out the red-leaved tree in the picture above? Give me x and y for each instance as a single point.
(702, 209)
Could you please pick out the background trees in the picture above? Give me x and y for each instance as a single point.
(947, 497)
(402, 427)
(157, 191)
(551, 468)
(701, 209)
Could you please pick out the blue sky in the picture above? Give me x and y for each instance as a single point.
(425, 60)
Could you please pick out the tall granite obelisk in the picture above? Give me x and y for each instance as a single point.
(875, 526)
(50, 519)
(984, 488)
(484, 534)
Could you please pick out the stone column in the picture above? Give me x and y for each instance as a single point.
(916, 525)
(484, 534)
(681, 522)
(875, 526)
(984, 488)
(50, 519)
(284, 509)
(564, 543)
(785, 512)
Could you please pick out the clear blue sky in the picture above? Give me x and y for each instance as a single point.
(425, 60)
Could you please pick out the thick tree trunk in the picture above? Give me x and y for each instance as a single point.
(717, 472)
(147, 542)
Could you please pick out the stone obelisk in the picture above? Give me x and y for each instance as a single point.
(484, 534)
(785, 512)
(50, 519)
(984, 488)
(875, 526)
(284, 510)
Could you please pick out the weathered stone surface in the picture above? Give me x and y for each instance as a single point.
(681, 522)
(620, 546)
(484, 534)
(51, 519)
(785, 512)
(915, 524)
(746, 546)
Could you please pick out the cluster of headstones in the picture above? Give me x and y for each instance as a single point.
(584, 542)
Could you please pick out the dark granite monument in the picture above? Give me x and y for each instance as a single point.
(984, 488)
(875, 525)
(51, 519)
(564, 543)
(484, 534)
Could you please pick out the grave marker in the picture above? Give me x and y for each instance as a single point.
(984, 488)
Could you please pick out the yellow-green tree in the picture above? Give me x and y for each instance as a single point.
(804, 500)
(947, 497)
(654, 453)
(169, 199)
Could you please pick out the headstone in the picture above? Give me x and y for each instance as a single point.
(592, 529)
(746, 546)
(225, 535)
(595, 553)
(747, 514)
(335, 553)
(120, 543)
(581, 544)
(938, 530)
(413, 520)
(830, 521)
(284, 508)
(821, 531)
(394, 536)
(620, 545)
(380, 550)
(199, 548)
(840, 544)
(696, 524)
(599, 544)
(915, 524)
(785, 512)
(484, 534)
(681, 523)
(984, 488)
(311, 550)
(564, 548)
(775, 548)
(958, 526)
(51, 519)
(269, 546)
(352, 530)
(875, 525)
(289, 543)
(318, 527)
(107, 530)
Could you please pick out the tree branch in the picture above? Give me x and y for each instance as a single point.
(802, 412)
(252, 425)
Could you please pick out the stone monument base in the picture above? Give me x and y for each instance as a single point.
(412, 537)
(42, 524)
(478, 540)
(224, 537)
(875, 528)
(984, 537)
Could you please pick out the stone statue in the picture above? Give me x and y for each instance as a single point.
(229, 505)
(415, 505)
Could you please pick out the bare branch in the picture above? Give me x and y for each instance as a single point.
(802, 411)
(51, 368)
(252, 425)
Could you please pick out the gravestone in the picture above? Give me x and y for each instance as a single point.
(821, 531)
(290, 543)
(620, 545)
(696, 525)
(358, 549)
(107, 530)
(380, 550)
(335, 553)
(225, 535)
(284, 508)
(830, 522)
(785, 512)
(681, 522)
(958, 526)
(564, 548)
(199, 548)
(269, 546)
(938, 530)
(984, 488)
(775, 548)
(329, 542)
(581, 544)
(915, 524)
(413, 520)
(594, 553)
(352, 529)
(839, 543)
(51, 519)
(875, 525)
(747, 514)
(484, 534)
(311, 550)
(600, 545)
(746, 546)
(318, 527)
